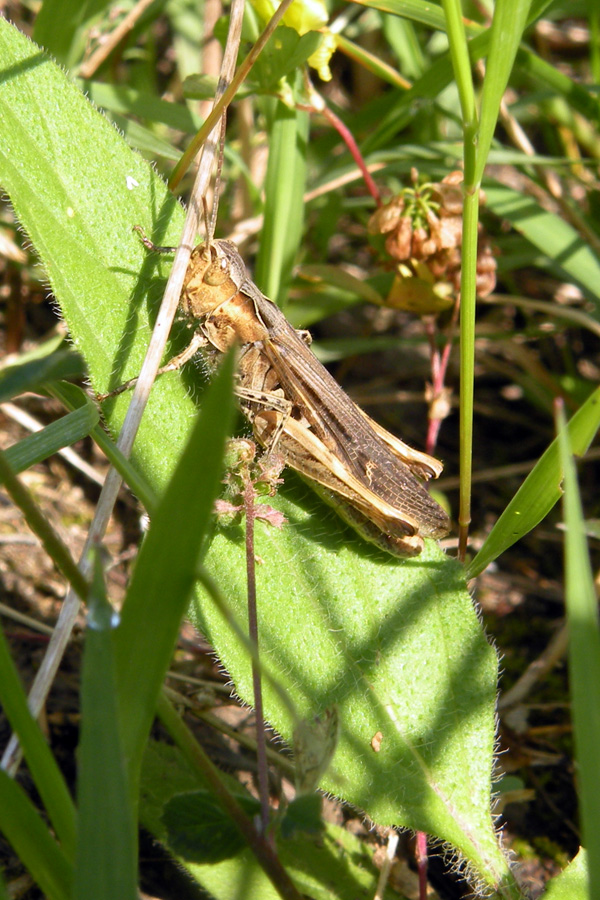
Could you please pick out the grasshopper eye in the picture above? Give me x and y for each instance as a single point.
(217, 272)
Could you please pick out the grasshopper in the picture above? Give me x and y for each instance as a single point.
(364, 472)
(367, 474)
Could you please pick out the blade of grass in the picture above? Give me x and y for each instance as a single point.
(62, 433)
(28, 835)
(540, 490)
(461, 64)
(49, 362)
(53, 545)
(508, 24)
(284, 209)
(42, 764)
(165, 571)
(106, 865)
(584, 658)
(557, 239)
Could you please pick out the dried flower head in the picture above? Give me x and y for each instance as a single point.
(423, 228)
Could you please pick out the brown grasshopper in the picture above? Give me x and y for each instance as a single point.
(293, 402)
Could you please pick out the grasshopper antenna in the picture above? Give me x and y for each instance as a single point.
(209, 224)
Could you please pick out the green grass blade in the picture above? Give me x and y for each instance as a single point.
(508, 24)
(33, 370)
(540, 490)
(461, 65)
(166, 568)
(40, 761)
(428, 14)
(580, 97)
(62, 433)
(284, 208)
(30, 838)
(551, 234)
(73, 398)
(370, 62)
(144, 139)
(127, 101)
(106, 864)
(584, 660)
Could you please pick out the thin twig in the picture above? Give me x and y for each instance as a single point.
(9, 613)
(386, 868)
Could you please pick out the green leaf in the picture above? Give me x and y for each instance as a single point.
(337, 865)
(72, 397)
(30, 838)
(67, 43)
(106, 865)
(540, 490)
(572, 883)
(397, 646)
(304, 814)
(286, 51)
(145, 140)
(200, 831)
(320, 276)
(127, 101)
(429, 14)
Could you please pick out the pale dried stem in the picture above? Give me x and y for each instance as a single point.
(88, 68)
(537, 670)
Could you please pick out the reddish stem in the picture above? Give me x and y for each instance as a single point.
(261, 741)
(348, 138)
(439, 367)
(421, 856)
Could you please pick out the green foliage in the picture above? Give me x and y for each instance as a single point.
(199, 830)
(395, 647)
